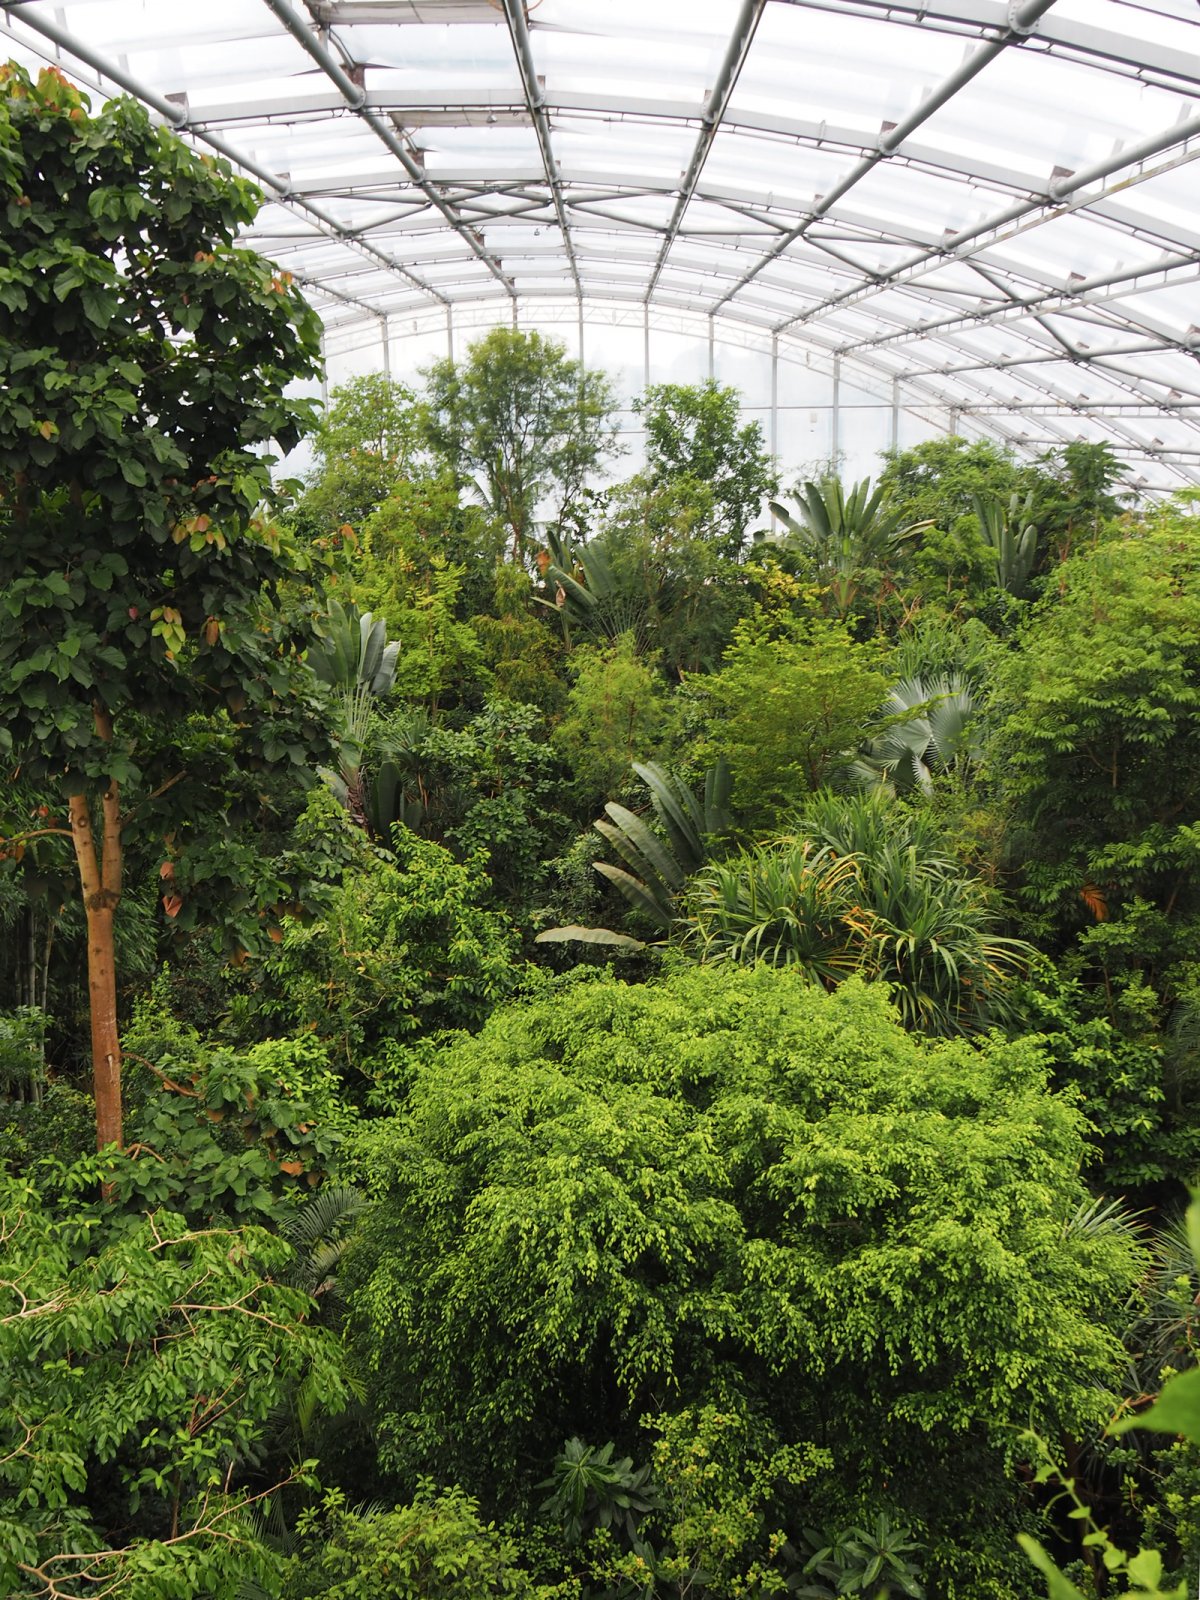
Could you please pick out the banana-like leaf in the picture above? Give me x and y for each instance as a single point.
(639, 895)
(579, 935)
(647, 845)
(629, 853)
(671, 807)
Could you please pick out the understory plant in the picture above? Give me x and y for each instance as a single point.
(864, 885)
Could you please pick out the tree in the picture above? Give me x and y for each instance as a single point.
(144, 361)
(852, 540)
(788, 704)
(522, 419)
(365, 444)
(406, 946)
(693, 439)
(1100, 749)
(134, 1386)
(618, 711)
(622, 1202)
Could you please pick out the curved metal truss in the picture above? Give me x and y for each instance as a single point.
(991, 204)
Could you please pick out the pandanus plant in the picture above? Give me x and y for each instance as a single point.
(864, 885)
(845, 535)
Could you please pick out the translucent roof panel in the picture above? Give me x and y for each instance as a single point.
(992, 205)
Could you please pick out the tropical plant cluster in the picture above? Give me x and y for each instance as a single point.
(567, 1033)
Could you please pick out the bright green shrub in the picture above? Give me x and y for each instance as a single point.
(438, 1548)
(139, 1367)
(618, 1202)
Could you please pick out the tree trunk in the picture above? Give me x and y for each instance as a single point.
(100, 880)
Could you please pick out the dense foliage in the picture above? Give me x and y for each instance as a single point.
(660, 1056)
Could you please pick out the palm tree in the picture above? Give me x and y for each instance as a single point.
(845, 536)
(925, 726)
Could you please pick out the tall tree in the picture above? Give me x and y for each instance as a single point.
(367, 442)
(694, 435)
(144, 361)
(524, 420)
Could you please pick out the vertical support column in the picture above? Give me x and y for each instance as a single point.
(385, 333)
(895, 436)
(516, 324)
(712, 366)
(579, 313)
(450, 332)
(953, 421)
(774, 394)
(324, 373)
(646, 343)
(835, 433)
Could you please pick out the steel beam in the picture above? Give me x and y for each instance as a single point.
(518, 28)
(1021, 19)
(711, 117)
(177, 117)
(355, 97)
(1051, 205)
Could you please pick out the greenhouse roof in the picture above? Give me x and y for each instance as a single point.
(992, 204)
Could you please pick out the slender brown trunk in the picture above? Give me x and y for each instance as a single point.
(100, 880)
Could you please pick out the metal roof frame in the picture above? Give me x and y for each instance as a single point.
(897, 296)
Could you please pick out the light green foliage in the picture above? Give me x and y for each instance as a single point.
(623, 1200)
(618, 711)
(426, 564)
(522, 420)
(788, 705)
(440, 655)
(695, 440)
(523, 656)
(437, 1548)
(1100, 753)
(405, 946)
(723, 1479)
(422, 522)
(138, 1367)
(365, 444)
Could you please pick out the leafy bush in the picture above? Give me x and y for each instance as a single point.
(132, 1383)
(438, 1548)
(865, 886)
(620, 1202)
(406, 946)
